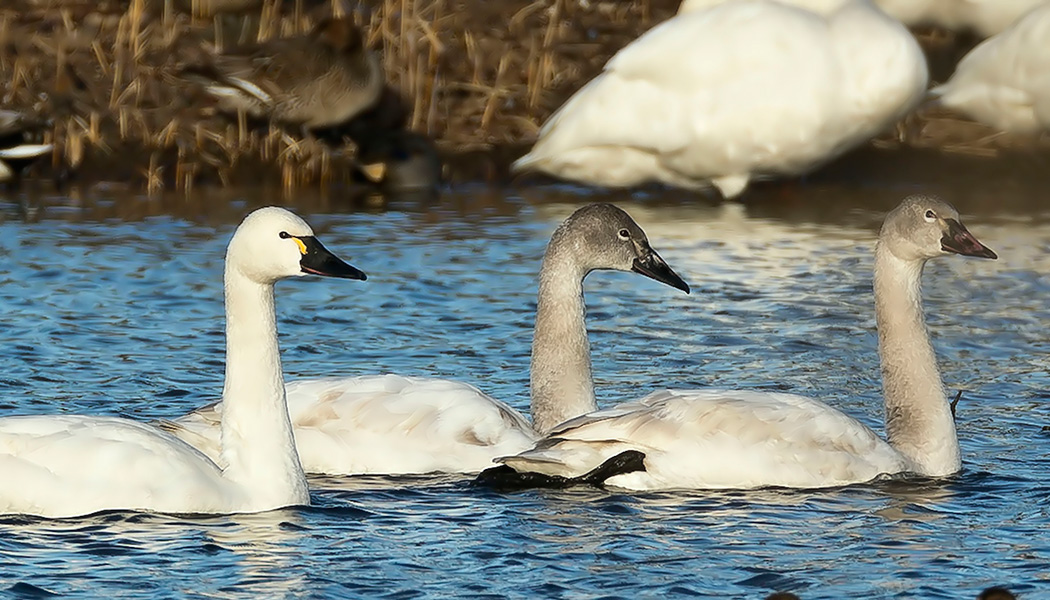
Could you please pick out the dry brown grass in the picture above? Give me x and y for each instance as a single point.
(476, 75)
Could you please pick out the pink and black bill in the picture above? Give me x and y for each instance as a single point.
(650, 264)
(960, 241)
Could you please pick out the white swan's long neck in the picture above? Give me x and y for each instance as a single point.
(561, 382)
(258, 449)
(919, 422)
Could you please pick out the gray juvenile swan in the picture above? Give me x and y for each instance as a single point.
(744, 439)
(393, 425)
(67, 465)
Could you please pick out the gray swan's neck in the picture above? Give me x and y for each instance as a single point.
(258, 449)
(919, 422)
(561, 381)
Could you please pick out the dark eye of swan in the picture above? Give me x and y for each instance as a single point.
(285, 235)
(625, 235)
(930, 215)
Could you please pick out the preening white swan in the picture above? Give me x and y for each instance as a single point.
(743, 90)
(394, 425)
(1005, 81)
(743, 439)
(57, 466)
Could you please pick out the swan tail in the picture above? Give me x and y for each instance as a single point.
(504, 478)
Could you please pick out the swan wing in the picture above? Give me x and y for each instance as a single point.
(1005, 81)
(718, 439)
(73, 465)
(385, 424)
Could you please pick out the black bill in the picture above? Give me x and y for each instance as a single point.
(960, 241)
(651, 265)
(317, 260)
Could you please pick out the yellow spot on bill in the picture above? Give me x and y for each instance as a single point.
(302, 246)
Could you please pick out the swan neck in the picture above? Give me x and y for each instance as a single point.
(919, 422)
(561, 383)
(258, 448)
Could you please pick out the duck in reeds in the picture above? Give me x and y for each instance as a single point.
(1005, 81)
(400, 161)
(721, 95)
(15, 153)
(321, 79)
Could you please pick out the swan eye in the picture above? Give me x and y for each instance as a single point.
(285, 235)
(930, 215)
(624, 234)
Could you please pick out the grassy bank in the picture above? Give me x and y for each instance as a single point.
(99, 80)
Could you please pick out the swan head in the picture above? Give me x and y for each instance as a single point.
(603, 236)
(272, 243)
(924, 227)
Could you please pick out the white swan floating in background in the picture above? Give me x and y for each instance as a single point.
(1005, 81)
(388, 424)
(983, 17)
(67, 465)
(714, 439)
(722, 95)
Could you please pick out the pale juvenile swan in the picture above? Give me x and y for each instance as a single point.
(67, 465)
(726, 94)
(390, 424)
(744, 439)
(1005, 81)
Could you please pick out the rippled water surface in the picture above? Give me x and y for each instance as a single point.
(115, 307)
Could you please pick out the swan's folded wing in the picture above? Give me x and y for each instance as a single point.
(717, 439)
(69, 465)
(385, 424)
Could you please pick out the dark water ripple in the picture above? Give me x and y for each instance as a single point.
(107, 316)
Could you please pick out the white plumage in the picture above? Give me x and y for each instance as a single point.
(1005, 81)
(59, 466)
(384, 424)
(742, 90)
(719, 439)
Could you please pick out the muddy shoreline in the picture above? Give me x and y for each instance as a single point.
(98, 79)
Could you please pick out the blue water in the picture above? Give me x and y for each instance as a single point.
(114, 306)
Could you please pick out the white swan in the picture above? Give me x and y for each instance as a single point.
(746, 439)
(743, 90)
(388, 424)
(983, 17)
(1005, 81)
(59, 465)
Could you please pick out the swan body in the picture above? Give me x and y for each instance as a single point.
(737, 439)
(1005, 81)
(720, 95)
(712, 439)
(984, 17)
(388, 424)
(384, 424)
(58, 466)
